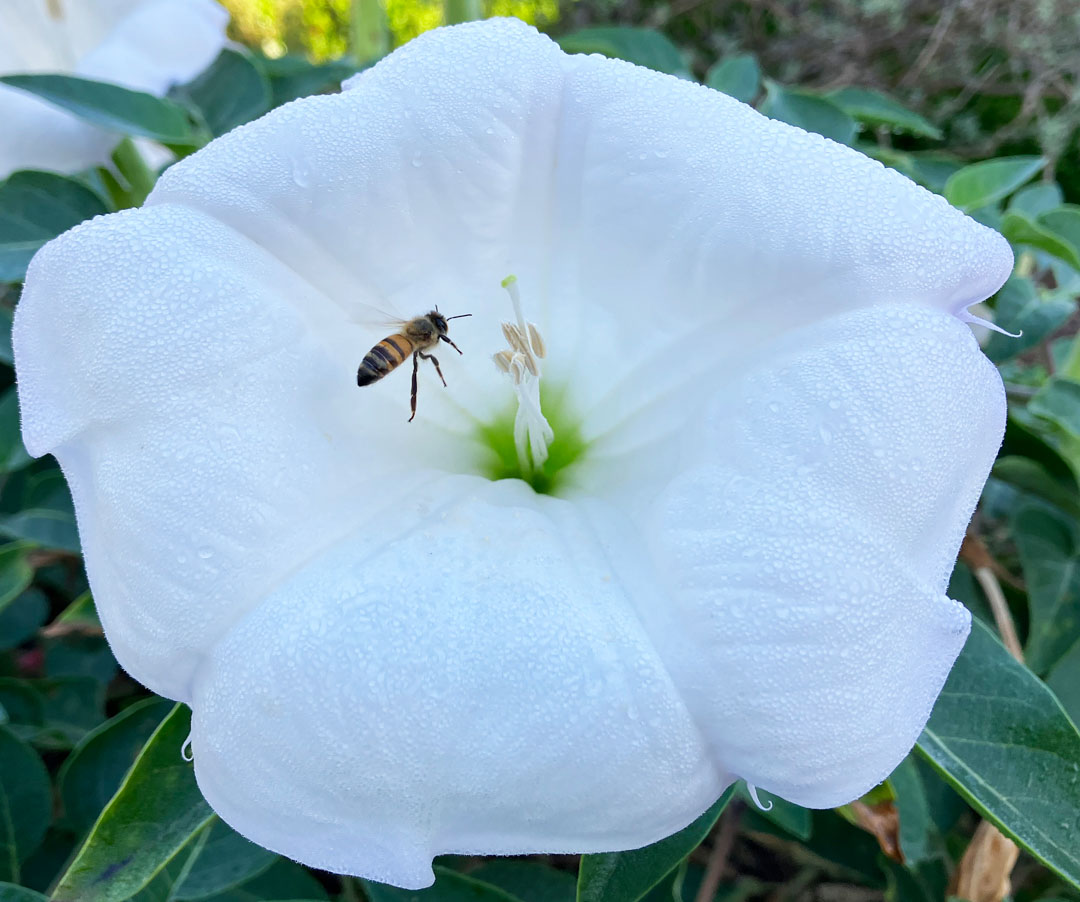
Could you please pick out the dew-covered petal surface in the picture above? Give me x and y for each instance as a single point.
(474, 684)
(627, 202)
(808, 552)
(212, 444)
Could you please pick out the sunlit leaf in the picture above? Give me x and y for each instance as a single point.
(989, 181)
(808, 111)
(642, 46)
(875, 108)
(154, 814)
(1003, 741)
(738, 76)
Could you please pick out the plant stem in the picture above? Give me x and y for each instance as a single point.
(455, 11)
(370, 34)
(132, 167)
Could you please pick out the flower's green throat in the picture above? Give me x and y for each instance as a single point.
(537, 439)
(566, 448)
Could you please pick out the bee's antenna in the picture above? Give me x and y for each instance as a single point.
(459, 316)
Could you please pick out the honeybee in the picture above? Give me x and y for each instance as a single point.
(416, 337)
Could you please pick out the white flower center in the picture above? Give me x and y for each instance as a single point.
(521, 362)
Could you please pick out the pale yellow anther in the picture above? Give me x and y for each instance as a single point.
(502, 360)
(537, 341)
(521, 362)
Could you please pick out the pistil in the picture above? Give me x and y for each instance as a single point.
(521, 362)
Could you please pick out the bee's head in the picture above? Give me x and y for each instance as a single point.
(438, 321)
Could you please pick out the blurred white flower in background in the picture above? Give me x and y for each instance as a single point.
(768, 430)
(146, 45)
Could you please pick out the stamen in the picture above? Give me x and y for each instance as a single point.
(532, 432)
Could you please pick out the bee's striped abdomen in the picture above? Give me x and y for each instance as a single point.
(388, 354)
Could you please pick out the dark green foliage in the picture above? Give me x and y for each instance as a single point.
(35, 207)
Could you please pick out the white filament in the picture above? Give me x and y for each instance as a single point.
(532, 432)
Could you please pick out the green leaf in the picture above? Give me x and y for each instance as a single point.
(7, 353)
(1030, 476)
(628, 876)
(73, 706)
(154, 814)
(226, 860)
(295, 76)
(42, 526)
(93, 772)
(23, 704)
(283, 881)
(35, 207)
(44, 864)
(989, 181)
(21, 617)
(808, 111)
(1020, 308)
(1019, 228)
(1058, 401)
(15, 574)
(25, 803)
(737, 76)
(1064, 221)
(13, 454)
(919, 836)
(81, 611)
(111, 106)
(162, 887)
(77, 655)
(449, 886)
(1064, 680)
(934, 169)
(529, 881)
(232, 91)
(1036, 199)
(788, 816)
(1051, 563)
(9, 892)
(642, 46)
(1003, 741)
(875, 108)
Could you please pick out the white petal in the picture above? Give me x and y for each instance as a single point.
(41, 136)
(627, 202)
(808, 554)
(478, 684)
(159, 44)
(211, 443)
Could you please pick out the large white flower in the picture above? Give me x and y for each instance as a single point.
(771, 421)
(147, 45)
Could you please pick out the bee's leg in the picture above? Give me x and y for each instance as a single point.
(446, 338)
(432, 358)
(412, 397)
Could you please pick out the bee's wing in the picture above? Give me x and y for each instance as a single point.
(364, 314)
